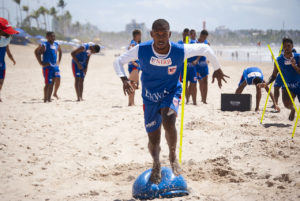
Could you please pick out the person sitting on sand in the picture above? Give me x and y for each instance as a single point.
(254, 76)
(6, 31)
(80, 61)
(49, 63)
(134, 66)
(161, 63)
(290, 67)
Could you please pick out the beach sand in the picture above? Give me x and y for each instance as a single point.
(94, 150)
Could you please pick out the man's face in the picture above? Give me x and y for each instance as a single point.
(202, 38)
(193, 35)
(92, 48)
(138, 37)
(287, 47)
(51, 38)
(161, 38)
(185, 34)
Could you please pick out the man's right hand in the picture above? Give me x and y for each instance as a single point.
(45, 64)
(127, 88)
(80, 66)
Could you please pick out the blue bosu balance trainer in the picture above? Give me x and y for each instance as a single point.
(170, 185)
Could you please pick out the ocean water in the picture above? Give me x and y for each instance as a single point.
(247, 53)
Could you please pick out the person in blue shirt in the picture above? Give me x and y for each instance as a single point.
(80, 62)
(6, 31)
(202, 69)
(191, 75)
(290, 67)
(161, 64)
(185, 33)
(134, 66)
(46, 55)
(254, 76)
(279, 83)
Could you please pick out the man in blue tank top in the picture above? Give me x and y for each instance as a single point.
(134, 66)
(202, 69)
(290, 67)
(49, 50)
(254, 76)
(161, 63)
(6, 31)
(80, 62)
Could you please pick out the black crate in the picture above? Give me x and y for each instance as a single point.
(236, 102)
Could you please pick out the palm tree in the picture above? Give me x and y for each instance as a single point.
(53, 12)
(62, 4)
(35, 15)
(43, 11)
(18, 2)
(26, 9)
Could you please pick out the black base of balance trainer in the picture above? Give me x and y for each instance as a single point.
(236, 102)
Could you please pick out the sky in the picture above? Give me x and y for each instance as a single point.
(113, 15)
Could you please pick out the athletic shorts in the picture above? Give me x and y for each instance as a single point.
(48, 73)
(2, 73)
(56, 71)
(278, 81)
(76, 71)
(202, 71)
(294, 88)
(133, 67)
(152, 114)
(191, 74)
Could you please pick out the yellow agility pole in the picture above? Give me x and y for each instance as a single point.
(271, 85)
(287, 88)
(294, 130)
(182, 105)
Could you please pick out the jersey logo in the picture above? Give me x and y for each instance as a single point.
(160, 62)
(288, 62)
(172, 70)
(53, 47)
(254, 74)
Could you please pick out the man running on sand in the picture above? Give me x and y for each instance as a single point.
(134, 66)
(254, 76)
(161, 63)
(6, 31)
(290, 67)
(49, 63)
(80, 62)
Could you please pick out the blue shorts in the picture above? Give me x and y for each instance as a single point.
(278, 81)
(76, 71)
(202, 71)
(56, 71)
(191, 74)
(294, 88)
(152, 114)
(48, 73)
(2, 73)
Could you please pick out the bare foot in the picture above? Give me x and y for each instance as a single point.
(292, 115)
(204, 101)
(155, 174)
(131, 104)
(176, 167)
(56, 96)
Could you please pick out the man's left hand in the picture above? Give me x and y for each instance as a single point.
(219, 75)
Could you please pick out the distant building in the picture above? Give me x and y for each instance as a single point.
(203, 25)
(222, 30)
(134, 25)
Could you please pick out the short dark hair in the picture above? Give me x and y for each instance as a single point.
(287, 40)
(186, 30)
(204, 32)
(96, 48)
(49, 33)
(136, 32)
(192, 30)
(257, 80)
(161, 24)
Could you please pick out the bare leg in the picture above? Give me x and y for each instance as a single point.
(80, 88)
(154, 149)
(288, 103)
(1, 84)
(57, 84)
(168, 120)
(76, 85)
(187, 92)
(276, 94)
(134, 77)
(46, 93)
(193, 92)
(204, 86)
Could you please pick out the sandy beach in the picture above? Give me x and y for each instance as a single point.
(93, 150)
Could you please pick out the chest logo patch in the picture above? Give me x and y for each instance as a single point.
(160, 62)
(172, 70)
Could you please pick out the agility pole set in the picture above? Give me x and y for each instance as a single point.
(287, 89)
